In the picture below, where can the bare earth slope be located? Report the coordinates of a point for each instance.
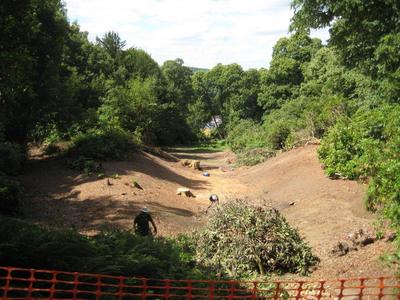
(324, 210)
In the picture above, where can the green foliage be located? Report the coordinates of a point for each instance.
(254, 156)
(34, 83)
(352, 147)
(241, 240)
(12, 157)
(356, 28)
(247, 135)
(87, 165)
(103, 144)
(110, 252)
(10, 192)
(281, 82)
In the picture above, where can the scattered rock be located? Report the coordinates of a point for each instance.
(340, 249)
(185, 163)
(355, 240)
(391, 237)
(195, 164)
(206, 174)
(109, 183)
(135, 184)
(292, 203)
(123, 194)
(185, 191)
(361, 238)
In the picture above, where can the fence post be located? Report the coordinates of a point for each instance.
(299, 290)
(75, 290)
(190, 287)
(211, 295)
(144, 288)
(7, 285)
(120, 287)
(98, 287)
(321, 290)
(277, 290)
(254, 291)
(167, 288)
(340, 296)
(53, 284)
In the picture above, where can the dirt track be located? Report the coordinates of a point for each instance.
(325, 211)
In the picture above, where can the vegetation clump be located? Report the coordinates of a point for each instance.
(115, 252)
(10, 192)
(103, 144)
(241, 240)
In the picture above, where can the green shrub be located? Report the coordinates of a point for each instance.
(12, 157)
(254, 156)
(277, 135)
(113, 252)
(86, 165)
(354, 146)
(241, 240)
(246, 135)
(10, 192)
(51, 149)
(368, 145)
(104, 144)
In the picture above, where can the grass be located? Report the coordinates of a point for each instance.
(212, 146)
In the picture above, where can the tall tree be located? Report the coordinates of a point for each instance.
(33, 81)
(281, 82)
(356, 27)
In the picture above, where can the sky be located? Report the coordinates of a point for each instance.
(201, 32)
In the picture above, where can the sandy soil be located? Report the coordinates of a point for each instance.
(325, 211)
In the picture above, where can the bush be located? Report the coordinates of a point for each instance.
(254, 156)
(12, 157)
(103, 144)
(354, 146)
(114, 252)
(368, 145)
(241, 240)
(10, 191)
(246, 135)
(87, 165)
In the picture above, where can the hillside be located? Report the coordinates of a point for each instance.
(324, 210)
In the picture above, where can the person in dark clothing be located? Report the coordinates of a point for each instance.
(213, 201)
(141, 223)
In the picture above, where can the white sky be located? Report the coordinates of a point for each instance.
(201, 32)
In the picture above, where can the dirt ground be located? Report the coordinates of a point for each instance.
(325, 211)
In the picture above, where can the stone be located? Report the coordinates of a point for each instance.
(340, 249)
(185, 191)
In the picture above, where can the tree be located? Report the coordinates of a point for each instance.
(178, 82)
(281, 82)
(112, 42)
(33, 81)
(356, 27)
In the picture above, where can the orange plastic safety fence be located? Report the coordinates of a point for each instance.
(18, 283)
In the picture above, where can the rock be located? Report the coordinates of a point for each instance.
(206, 174)
(185, 163)
(367, 240)
(195, 165)
(109, 182)
(391, 237)
(340, 249)
(292, 203)
(185, 191)
(136, 185)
